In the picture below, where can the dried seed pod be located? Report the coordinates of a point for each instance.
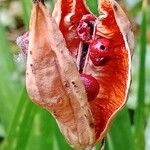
(56, 55)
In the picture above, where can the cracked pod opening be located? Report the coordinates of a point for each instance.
(103, 51)
(78, 66)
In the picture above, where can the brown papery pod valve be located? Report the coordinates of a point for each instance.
(53, 81)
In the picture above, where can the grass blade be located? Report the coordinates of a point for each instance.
(21, 126)
(26, 9)
(9, 81)
(42, 135)
(136, 8)
(120, 135)
(93, 6)
(47, 131)
(61, 142)
(140, 114)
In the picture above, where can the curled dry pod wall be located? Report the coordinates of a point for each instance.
(64, 66)
(53, 81)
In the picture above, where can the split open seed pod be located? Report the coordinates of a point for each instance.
(72, 53)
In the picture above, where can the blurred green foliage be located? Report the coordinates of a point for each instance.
(25, 126)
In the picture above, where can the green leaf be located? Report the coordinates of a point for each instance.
(21, 126)
(61, 142)
(140, 118)
(92, 4)
(136, 8)
(2, 132)
(9, 80)
(120, 136)
(26, 10)
(42, 134)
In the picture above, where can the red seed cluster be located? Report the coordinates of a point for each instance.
(98, 51)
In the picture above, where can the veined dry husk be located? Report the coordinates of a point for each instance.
(53, 80)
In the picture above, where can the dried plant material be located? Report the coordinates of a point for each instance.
(53, 81)
(78, 66)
